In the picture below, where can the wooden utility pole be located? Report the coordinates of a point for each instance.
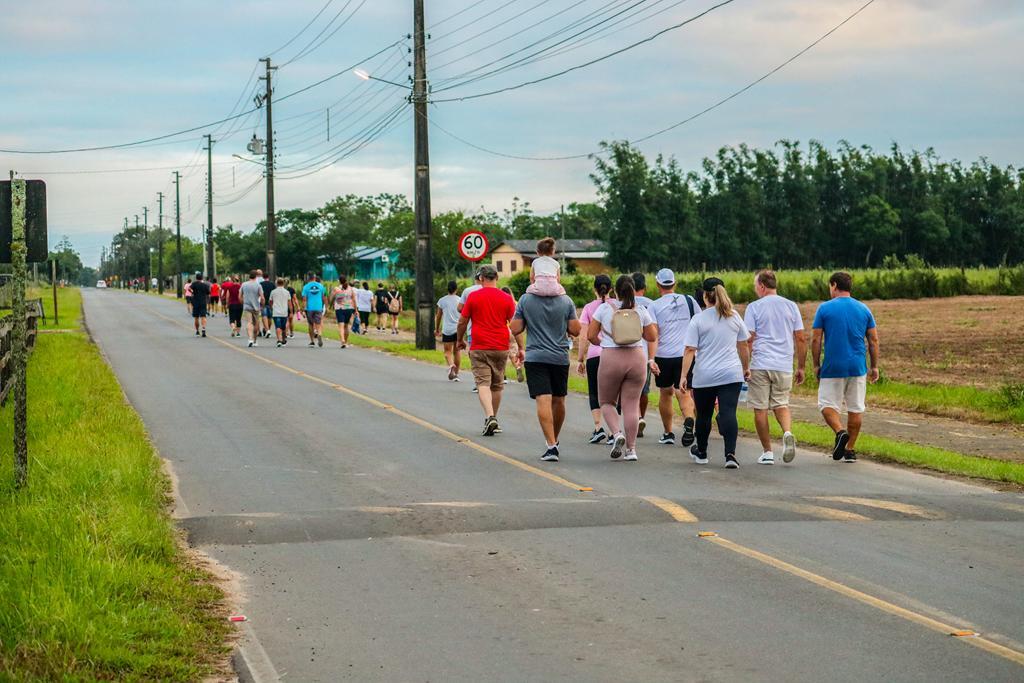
(19, 350)
(149, 252)
(177, 228)
(209, 208)
(271, 225)
(160, 242)
(424, 255)
(53, 283)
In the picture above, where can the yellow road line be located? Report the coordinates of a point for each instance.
(895, 506)
(872, 601)
(819, 511)
(400, 413)
(677, 511)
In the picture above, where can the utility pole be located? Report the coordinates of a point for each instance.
(177, 228)
(271, 226)
(160, 243)
(209, 207)
(135, 266)
(149, 254)
(424, 255)
(19, 336)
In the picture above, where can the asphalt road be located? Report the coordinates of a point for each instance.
(381, 538)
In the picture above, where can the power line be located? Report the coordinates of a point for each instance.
(310, 48)
(666, 129)
(456, 14)
(303, 30)
(602, 58)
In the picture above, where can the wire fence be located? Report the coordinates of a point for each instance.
(34, 312)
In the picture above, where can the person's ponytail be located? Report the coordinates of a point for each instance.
(723, 304)
(625, 292)
(602, 290)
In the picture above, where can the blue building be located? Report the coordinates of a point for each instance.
(371, 264)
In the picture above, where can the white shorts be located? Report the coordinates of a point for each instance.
(835, 392)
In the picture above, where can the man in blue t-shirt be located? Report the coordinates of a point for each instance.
(844, 323)
(313, 295)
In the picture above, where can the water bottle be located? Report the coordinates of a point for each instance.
(743, 392)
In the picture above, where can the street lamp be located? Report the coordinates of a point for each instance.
(152, 250)
(367, 77)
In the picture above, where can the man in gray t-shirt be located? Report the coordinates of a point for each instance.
(252, 303)
(548, 321)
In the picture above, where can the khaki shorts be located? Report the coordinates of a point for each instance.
(769, 389)
(835, 392)
(489, 368)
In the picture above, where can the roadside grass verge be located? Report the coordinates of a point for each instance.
(878, 448)
(93, 585)
(69, 307)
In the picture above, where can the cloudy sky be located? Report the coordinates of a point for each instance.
(924, 73)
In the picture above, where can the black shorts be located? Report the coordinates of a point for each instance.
(235, 314)
(213, 299)
(449, 338)
(547, 379)
(364, 317)
(188, 299)
(382, 310)
(671, 372)
(343, 315)
(198, 310)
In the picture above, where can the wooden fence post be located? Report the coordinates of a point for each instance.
(19, 351)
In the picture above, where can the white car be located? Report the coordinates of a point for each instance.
(101, 284)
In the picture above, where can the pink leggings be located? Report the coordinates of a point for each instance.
(620, 377)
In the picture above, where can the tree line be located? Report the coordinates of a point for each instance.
(745, 208)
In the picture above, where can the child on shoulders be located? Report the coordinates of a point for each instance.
(545, 271)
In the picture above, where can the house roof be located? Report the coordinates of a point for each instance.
(367, 253)
(529, 247)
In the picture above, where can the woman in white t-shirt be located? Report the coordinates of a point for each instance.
(622, 372)
(717, 337)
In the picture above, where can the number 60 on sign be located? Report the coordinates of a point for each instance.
(473, 246)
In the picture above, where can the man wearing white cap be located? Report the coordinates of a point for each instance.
(672, 312)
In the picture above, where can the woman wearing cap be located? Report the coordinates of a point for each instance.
(623, 368)
(717, 337)
(590, 354)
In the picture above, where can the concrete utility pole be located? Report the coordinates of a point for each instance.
(160, 242)
(19, 350)
(271, 226)
(209, 207)
(177, 229)
(149, 254)
(424, 255)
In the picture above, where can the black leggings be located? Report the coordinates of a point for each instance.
(728, 396)
(592, 365)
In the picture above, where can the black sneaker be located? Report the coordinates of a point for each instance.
(640, 428)
(203, 334)
(842, 438)
(490, 426)
(197, 333)
(550, 455)
(730, 462)
(849, 456)
(278, 344)
(598, 436)
(688, 435)
(311, 344)
(319, 340)
(698, 457)
(668, 438)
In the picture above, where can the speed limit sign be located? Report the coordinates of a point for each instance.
(473, 246)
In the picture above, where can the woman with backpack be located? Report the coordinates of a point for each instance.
(394, 307)
(589, 358)
(621, 328)
(717, 338)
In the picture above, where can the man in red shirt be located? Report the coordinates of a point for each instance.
(490, 310)
(231, 297)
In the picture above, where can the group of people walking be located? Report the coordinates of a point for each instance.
(703, 356)
(270, 307)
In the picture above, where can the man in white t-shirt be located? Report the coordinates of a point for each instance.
(446, 326)
(364, 303)
(776, 327)
(672, 312)
(640, 287)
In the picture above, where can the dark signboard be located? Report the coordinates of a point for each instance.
(35, 221)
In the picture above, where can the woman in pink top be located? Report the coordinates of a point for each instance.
(590, 355)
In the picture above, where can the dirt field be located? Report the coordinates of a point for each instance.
(967, 340)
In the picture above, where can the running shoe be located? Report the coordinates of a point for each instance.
(842, 438)
(668, 438)
(291, 335)
(343, 345)
(255, 344)
(252, 343)
(456, 379)
(550, 455)
(849, 456)
(498, 430)
(610, 440)
(618, 446)
(197, 333)
(767, 458)
(475, 390)
(698, 457)
(688, 435)
(788, 447)
(507, 381)
(203, 334)
(319, 340)
(278, 344)
(640, 428)
(598, 436)
(452, 372)
(311, 344)
(520, 375)
(490, 426)
(630, 455)
(730, 462)
(284, 342)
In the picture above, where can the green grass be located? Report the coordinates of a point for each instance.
(92, 583)
(879, 448)
(69, 307)
(889, 450)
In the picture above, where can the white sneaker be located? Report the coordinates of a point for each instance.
(618, 446)
(630, 455)
(767, 458)
(788, 447)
